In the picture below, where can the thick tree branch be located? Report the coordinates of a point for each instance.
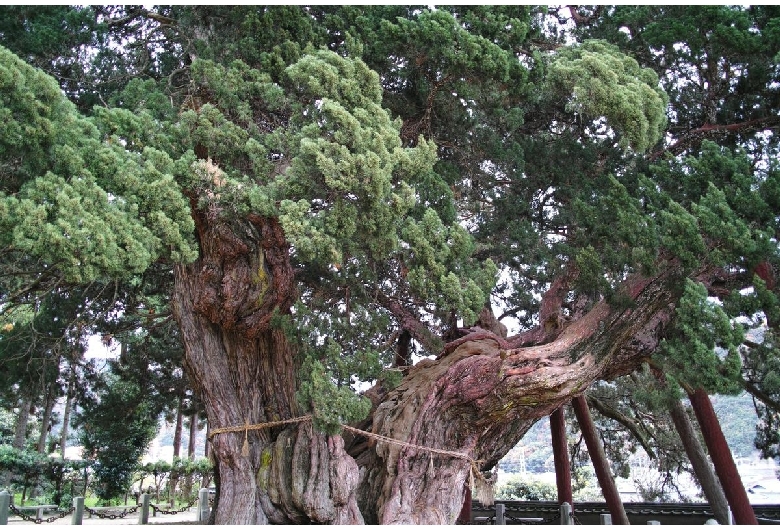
(411, 323)
(629, 423)
(551, 319)
(760, 395)
(709, 130)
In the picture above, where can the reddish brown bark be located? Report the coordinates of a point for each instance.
(477, 399)
(710, 484)
(191, 441)
(244, 370)
(561, 456)
(551, 319)
(599, 460)
(464, 517)
(721, 458)
(178, 429)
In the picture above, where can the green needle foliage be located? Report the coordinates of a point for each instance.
(421, 161)
(598, 80)
(74, 199)
(691, 353)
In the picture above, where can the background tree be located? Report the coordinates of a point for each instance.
(115, 431)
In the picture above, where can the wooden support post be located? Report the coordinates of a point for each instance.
(5, 507)
(599, 460)
(721, 458)
(605, 518)
(708, 480)
(566, 517)
(500, 513)
(203, 506)
(78, 511)
(143, 513)
(561, 456)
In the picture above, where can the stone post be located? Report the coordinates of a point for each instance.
(500, 513)
(78, 511)
(203, 506)
(143, 513)
(566, 517)
(5, 507)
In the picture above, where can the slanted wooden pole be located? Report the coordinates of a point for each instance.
(721, 458)
(599, 460)
(561, 456)
(709, 482)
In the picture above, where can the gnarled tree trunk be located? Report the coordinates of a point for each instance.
(448, 416)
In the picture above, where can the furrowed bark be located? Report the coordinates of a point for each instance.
(480, 399)
(474, 402)
(244, 370)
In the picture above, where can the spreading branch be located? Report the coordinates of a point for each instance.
(707, 131)
(630, 424)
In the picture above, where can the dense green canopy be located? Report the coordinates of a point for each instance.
(363, 176)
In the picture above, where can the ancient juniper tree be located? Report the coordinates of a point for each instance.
(335, 189)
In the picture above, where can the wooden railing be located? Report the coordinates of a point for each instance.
(549, 512)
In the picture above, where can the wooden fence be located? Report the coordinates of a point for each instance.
(596, 513)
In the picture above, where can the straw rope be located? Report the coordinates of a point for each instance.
(378, 437)
(257, 426)
(482, 484)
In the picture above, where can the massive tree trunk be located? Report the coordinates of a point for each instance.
(244, 370)
(449, 419)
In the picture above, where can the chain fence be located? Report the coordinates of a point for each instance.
(38, 520)
(163, 511)
(108, 514)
